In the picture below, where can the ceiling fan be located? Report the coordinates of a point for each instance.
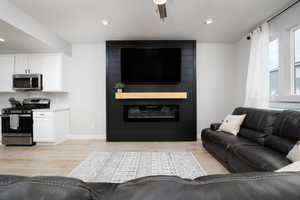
(162, 8)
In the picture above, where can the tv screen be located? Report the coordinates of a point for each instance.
(151, 65)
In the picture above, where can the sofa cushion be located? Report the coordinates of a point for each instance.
(253, 135)
(258, 186)
(279, 144)
(288, 125)
(258, 157)
(293, 167)
(34, 188)
(294, 154)
(258, 119)
(236, 165)
(232, 124)
(215, 126)
(221, 141)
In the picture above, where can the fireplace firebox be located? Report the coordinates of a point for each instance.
(151, 113)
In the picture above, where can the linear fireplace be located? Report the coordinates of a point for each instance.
(151, 113)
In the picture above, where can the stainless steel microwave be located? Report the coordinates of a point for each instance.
(28, 82)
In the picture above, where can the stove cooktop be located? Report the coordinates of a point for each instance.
(19, 110)
(28, 105)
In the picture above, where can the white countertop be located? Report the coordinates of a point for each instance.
(54, 109)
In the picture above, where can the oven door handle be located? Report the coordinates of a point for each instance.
(23, 115)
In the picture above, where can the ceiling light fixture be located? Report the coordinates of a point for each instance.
(104, 22)
(209, 21)
(160, 2)
(161, 8)
(2, 40)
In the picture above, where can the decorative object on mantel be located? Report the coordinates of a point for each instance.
(151, 95)
(119, 87)
(118, 167)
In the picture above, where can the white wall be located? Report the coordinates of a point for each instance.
(242, 55)
(216, 82)
(216, 72)
(86, 78)
(217, 88)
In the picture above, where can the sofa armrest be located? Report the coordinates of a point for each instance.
(215, 126)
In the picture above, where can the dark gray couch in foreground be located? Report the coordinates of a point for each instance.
(253, 186)
(265, 138)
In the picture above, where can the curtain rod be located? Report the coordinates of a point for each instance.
(283, 11)
(277, 15)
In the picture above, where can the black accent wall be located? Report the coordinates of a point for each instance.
(119, 129)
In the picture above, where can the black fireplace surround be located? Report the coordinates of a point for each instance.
(151, 119)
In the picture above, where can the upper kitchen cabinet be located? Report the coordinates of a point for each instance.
(29, 63)
(54, 76)
(21, 64)
(51, 66)
(7, 70)
(35, 63)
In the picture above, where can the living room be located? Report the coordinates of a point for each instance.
(152, 99)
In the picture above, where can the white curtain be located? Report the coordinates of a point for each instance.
(257, 89)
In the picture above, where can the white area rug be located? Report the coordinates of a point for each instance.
(117, 167)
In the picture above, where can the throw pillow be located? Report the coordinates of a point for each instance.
(294, 154)
(232, 124)
(294, 167)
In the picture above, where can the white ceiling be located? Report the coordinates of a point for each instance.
(79, 21)
(16, 41)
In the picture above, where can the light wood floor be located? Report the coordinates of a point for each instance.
(59, 160)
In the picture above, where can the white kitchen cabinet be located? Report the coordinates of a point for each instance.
(43, 129)
(21, 64)
(7, 70)
(51, 66)
(53, 73)
(36, 63)
(29, 64)
(50, 125)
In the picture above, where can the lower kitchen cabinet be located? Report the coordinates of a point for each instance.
(50, 125)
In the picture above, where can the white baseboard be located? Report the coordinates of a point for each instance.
(86, 137)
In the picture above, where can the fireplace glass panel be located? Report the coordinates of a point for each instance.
(150, 113)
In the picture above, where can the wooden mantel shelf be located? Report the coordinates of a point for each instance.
(151, 95)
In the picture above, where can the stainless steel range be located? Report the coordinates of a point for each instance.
(17, 121)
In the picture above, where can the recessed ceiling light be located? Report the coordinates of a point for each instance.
(209, 21)
(104, 22)
(160, 2)
(2, 40)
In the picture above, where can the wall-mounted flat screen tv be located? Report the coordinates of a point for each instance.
(151, 65)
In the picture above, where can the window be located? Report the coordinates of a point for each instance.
(296, 59)
(274, 66)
